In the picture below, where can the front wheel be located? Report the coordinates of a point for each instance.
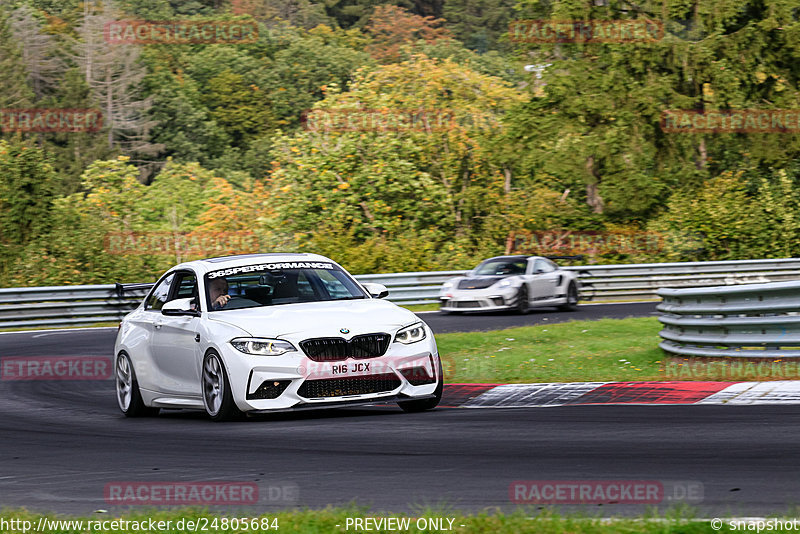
(572, 298)
(522, 299)
(129, 397)
(217, 395)
(426, 404)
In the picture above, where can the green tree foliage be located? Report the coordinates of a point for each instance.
(595, 126)
(437, 179)
(479, 24)
(27, 191)
(300, 13)
(726, 221)
(14, 91)
(574, 142)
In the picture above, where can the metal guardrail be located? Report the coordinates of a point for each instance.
(65, 305)
(642, 281)
(750, 321)
(91, 304)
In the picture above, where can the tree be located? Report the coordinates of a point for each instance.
(479, 24)
(304, 66)
(114, 76)
(38, 49)
(27, 190)
(240, 108)
(392, 27)
(597, 125)
(184, 125)
(14, 91)
(300, 13)
(436, 179)
(73, 152)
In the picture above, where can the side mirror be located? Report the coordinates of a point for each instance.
(180, 307)
(377, 291)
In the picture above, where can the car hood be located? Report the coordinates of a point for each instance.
(318, 319)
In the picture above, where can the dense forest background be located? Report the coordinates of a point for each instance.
(208, 140)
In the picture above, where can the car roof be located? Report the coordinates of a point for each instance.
(240, 260)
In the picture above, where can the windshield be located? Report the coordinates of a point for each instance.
(501, 267)
(280, 283)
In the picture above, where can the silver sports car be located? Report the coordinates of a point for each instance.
(511, 283)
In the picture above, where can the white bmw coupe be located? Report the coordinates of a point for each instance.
(271, 332)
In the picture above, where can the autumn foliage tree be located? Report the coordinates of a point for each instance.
(392, 27)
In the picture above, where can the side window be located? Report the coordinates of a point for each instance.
(335, 288)
(186, 284)
(304, 289)
(543, 266)
(160, 294)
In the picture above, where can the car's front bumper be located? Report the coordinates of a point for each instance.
(489, 299)
(343, 404)
(294, 381)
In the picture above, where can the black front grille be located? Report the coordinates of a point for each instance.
(334, 349)
(477, 283)
(466, 304)
(269, 389)
(354, 385)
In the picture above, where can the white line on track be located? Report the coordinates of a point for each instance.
(579, 306)
(59, 330)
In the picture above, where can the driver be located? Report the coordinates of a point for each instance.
(218, 291)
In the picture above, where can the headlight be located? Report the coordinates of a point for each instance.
(262, 347)
(411, 334)
(447, 285)
(505, 282)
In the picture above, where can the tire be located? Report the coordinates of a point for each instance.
(572, 298)
(422, 405)
(217, 395)
(129, 398)
(522, 300)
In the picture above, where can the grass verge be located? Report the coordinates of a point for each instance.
(607, 350)
(335, 520)
(577, 351)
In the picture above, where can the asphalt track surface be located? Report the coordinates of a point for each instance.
(64, 441)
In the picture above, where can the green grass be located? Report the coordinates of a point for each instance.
(332, 520)
(420, 307)
(577, 351)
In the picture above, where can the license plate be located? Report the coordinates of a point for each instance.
(350, 368)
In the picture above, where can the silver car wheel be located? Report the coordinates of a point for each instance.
(124, 378)
(213, 384)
